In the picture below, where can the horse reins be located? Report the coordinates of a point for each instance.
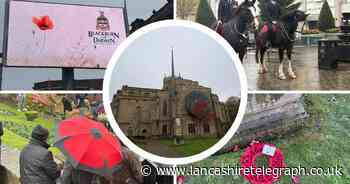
(286, 32)
(236, 30)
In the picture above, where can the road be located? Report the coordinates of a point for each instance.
(305, 64)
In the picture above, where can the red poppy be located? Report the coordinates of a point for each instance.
(44, 23)
(180, 179)
(296, 179)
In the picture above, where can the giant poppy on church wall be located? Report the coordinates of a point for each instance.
(198, 105)
(44, 23)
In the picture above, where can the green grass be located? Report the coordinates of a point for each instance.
(17, 133)
(191, 146)
(327, 146)
(13, 140)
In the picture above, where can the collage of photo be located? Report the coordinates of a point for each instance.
(175, 92)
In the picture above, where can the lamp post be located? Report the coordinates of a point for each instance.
(178, 132)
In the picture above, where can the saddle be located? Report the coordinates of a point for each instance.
(220, 28)
(265, 28)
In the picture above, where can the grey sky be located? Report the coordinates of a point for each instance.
(197, 57)
(24, 78)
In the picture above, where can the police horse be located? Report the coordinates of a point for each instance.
(235, 29)
(283, 39)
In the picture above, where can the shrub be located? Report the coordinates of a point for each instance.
(205, 14)
(326, 20)
(332, 30)
(31, 115)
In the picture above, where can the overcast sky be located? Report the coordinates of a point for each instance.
(24, 78)
(197, 57)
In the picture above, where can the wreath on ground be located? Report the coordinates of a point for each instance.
(275, 161)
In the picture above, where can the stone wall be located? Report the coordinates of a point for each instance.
(268, 117)
(150, 112)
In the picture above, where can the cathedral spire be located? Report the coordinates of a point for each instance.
(172, 63)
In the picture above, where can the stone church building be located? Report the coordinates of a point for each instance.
(182, 107)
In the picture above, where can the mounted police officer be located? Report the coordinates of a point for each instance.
(273, 14)
(226, 10)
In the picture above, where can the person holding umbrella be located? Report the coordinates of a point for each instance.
(93, 153)
(36, 162)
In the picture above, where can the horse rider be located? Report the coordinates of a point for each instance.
(273, 13)
(226, 10)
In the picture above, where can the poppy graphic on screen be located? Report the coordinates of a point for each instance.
(44, 23)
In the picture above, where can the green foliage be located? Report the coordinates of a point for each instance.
(18, 129)
(286, 7)
(13, 140)
(205, 14)
(326, 20)
(31, 115)
(16, 141)
(333, 30)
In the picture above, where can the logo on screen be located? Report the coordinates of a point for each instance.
(102, 22)
(103, 35)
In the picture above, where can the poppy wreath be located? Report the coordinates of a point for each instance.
(248, 161)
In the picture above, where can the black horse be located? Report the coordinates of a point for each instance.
(234, 31)
(283, 39)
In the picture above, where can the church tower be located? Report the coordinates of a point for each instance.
(172, 96)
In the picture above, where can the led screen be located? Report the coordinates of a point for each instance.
(60, 35)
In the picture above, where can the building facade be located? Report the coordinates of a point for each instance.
(313, 7)
(181, 107)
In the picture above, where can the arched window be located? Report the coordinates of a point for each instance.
(165, 108)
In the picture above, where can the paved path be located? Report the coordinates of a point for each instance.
(10, 159)
(305, 64)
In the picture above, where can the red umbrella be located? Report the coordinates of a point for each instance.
(89, 146)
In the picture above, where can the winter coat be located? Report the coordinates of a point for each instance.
(37, 165)
(274, 11)
(71, 175)
(226, 10)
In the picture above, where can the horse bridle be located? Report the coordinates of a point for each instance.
(286, 32)
(239, 33)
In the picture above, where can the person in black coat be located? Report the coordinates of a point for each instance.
(36, 162)
(274, 11)
(1, 134)
(273, 14)
(226, 10)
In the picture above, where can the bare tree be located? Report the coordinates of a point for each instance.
(185, 8)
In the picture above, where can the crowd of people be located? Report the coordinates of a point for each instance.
(83, 105)
(37, 165)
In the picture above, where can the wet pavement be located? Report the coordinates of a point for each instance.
(305, 65)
